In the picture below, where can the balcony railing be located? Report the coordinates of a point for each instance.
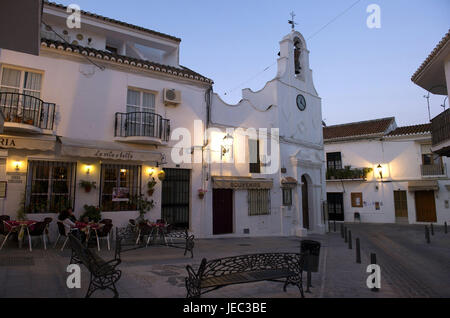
(348, 173)
(25, 109)
(433, 170)
(142, 124)
(440, 127)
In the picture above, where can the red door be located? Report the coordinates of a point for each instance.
(222, 211)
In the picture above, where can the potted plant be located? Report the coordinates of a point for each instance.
(201, 193)
(144, 206)
(151, 187)
(87, 185)
(92, 212)
(161, 175)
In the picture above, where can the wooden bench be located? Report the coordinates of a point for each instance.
(128, 239)
(286, 268)
(104, 274)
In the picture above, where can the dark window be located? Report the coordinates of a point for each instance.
(334, 160)
(287, 197)
(258, 202)
(50, 186)
(120, 186)
(255, 161)
(335, 206)
(111, 49)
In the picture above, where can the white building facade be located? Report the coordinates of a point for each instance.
(381, 173)
(105, 109)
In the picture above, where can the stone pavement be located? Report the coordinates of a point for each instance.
(159, 271)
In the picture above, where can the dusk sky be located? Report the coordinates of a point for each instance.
(359, 73)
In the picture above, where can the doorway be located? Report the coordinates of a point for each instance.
(222, 211)
(175, 197)
(425, 206)
(305, 203)
(335, 206)
(401, 207)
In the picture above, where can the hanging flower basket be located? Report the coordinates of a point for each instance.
(201, 193)
(161, 175)
(87, 185)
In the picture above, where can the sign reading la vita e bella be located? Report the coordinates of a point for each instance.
(109, 154)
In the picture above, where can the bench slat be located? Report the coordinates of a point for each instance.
(248, 277)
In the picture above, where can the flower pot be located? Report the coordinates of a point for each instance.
(150, 192)
(201, 195)
(87, 188)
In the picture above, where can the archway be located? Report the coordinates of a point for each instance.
(305, 202)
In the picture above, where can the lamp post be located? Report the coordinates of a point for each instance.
(226, 144)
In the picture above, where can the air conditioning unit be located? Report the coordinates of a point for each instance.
(172, 97)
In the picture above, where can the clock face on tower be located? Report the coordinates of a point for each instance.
(301, 102)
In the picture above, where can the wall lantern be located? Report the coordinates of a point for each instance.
(380, 170)
(88, 169)
(18, 165)
(227, 144)
(150, 171)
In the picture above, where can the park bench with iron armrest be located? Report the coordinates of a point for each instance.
(104, 275)
(279, 267)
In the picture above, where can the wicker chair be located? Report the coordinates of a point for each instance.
(62, 232)
(105, 233)
(39, 231)
(3, 229)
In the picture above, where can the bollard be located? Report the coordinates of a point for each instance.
(329, 227)
(358, 251)
(345, 235)
(373, 260)
(432, 229)
(427, 235)
(445, 228)
(350, 240)
(334, 225)
(342, 230)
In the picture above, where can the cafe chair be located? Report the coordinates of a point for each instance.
(38, 230)
(105, 233)
(5, 229)
(62, 233)
(48, 221)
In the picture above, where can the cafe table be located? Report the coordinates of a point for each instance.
(20, 227)
(87, 228)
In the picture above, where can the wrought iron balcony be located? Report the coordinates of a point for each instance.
(26, 112)
(142, 127)
(348, 173)
(433, 170)
(440, 130)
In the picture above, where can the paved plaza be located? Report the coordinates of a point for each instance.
(409, 267)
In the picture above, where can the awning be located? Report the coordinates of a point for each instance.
(423, 185)
(107, 150)
(241, 183)
(289, 182)
(43, 143)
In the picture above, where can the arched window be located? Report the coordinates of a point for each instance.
(297, 55)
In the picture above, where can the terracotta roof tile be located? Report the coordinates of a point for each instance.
(358, 129)
(411, 130)
(135, 27)
(433, 53)
(182, 72)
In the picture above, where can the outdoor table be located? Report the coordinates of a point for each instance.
(20, 227)
(87, 228)
(158, 229)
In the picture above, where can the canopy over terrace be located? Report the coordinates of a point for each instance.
(104, 150)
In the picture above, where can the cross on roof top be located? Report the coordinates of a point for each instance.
(292, 21)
